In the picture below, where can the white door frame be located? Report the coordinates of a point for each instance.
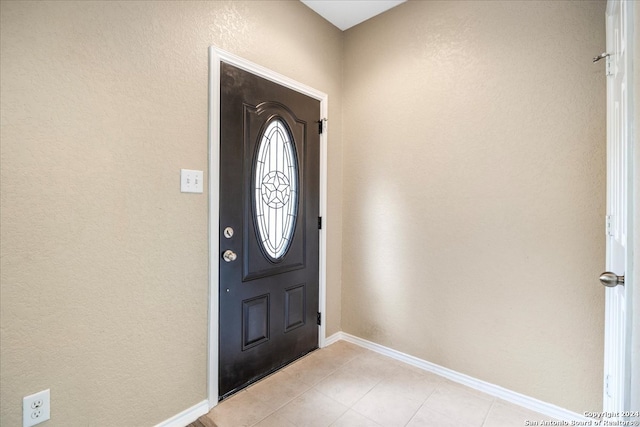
(215, 57)
(621, 400)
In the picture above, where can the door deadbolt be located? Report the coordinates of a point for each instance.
(228, 232)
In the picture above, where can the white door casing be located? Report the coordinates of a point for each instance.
(619, 208)
(215, 57)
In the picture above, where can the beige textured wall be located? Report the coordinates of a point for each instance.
(474, 191)
(103, 261)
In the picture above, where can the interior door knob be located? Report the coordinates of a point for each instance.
(610, 279)
(229, 256)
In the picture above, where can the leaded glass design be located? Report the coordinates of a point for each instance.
(276, 189)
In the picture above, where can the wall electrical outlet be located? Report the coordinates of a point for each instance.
(36, 408)
(191, 181)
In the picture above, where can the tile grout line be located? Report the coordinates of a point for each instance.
(350, 408)
(422, 404)
(311, 387)
(484, 421)
(493, 399)
(283, 369)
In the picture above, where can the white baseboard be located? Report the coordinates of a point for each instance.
(494, 390)
(333, 338)
(187, 416)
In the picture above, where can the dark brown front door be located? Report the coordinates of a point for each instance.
(269, 204)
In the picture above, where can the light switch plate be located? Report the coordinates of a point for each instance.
(191, 181)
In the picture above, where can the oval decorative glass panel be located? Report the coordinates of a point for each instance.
(275, 186)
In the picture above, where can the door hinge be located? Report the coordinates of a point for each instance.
(319, 223)
(607, 383)
(608, 225)
(321, 125)
(319, 318)
(607, 62)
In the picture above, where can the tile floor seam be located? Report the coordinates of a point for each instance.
(347, 410)
(484, 422)
(321, 392)
(281, 406)
(328, 397)
(284, 416)
(363, 396)
(427, 398)
(486, 416)
(354, 409)
(414, 415)
(438, 411)
(261, 420)
(373, 421)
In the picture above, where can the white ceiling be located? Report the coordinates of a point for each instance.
(345, 14)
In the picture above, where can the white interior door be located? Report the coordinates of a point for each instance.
(616, 369)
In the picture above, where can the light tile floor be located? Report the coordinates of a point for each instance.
(344, 385)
